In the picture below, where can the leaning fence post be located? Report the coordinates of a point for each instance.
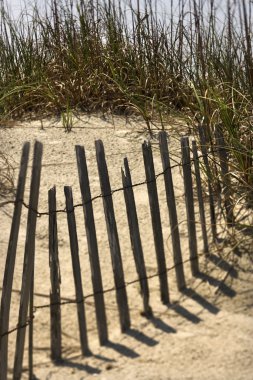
(10, 264)
(30, 335)
(92, 245)
(208, 172)
(220, 143)
(177, 254)
(156, 221)
(121, 294)
(200, 195)
(76, 269)
(55, 277)
(135, 237)
(28, 267)
(189, 202)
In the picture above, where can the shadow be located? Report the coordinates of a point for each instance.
(159, 324)
(6, 212)
(46, 348)
(225, 289)
(185, 313)
(243, 249)
(81, 367)
(42, 295)
(222, 264)
(123, 350)
(103, 358)
(201, 300)
(138, 335)
(237, 251)
(221, 240)
(248, 231)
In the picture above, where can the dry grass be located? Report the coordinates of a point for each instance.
(6, 176)
(121, 57)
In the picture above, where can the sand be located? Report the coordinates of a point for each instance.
(205, 333)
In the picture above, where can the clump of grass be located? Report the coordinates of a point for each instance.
(67, 119)
(109, 55)
(6, 176)
(96, 54)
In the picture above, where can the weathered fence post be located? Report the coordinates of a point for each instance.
(220, 143)
(156, 221)
(10, 264)
(76, 270)
(121, 294)
(55, 277)
(30, 335)
(200, 196)
(92, 245)
(28, 267)
(208, 172)
(177, 254)
(189, 202)
(135, 237)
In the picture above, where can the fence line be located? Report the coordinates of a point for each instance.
(156, 220)
(91, 295)
(113, 191)
(27, 308)
(189, 202)
(10, 263)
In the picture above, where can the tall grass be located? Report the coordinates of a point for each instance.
(109, 55)
(6, 176)
(99, 54)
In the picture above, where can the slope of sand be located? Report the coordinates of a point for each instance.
(203, 334)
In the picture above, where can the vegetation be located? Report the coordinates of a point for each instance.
(6, 176)
(124, 57)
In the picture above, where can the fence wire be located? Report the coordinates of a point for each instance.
(91, 295)
(92, 199)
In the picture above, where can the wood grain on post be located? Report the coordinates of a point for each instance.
(121, 294)
(135, 237)
(55, 277)
(10, 263)
(171, 203)
(220, 143)
(28, 266)
(74, 248)
(189, 202)
(92, 245)
(156, 221)
(208, 172)
(30, 335)
(200, 196)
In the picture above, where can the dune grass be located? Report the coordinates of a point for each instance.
(124, 57)
(6, 176)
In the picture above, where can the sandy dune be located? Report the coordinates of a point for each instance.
(205, 333)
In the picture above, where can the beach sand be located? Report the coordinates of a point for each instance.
(205, 333)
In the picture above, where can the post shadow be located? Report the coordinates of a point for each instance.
(223, 264)
(185, 313)
(159, 324)
(225, 289)
(141, 337)
(104, 358)
(122, 349)
(201, 300)
(237, 251)
(81, 367)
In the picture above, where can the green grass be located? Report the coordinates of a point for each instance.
(103, 55)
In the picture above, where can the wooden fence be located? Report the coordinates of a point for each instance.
(26, 313)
